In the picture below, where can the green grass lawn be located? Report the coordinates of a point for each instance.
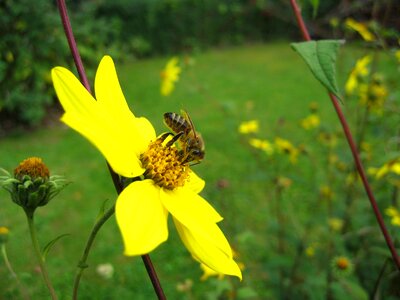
(222, 88)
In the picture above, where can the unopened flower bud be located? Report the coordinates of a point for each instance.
(31, 186)
(3, 234)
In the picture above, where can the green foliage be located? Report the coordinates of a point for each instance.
(32, 42)
(320, 57)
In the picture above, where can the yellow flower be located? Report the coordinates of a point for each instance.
(247, 127)
(359, 71)
(284, 146)
(373, 96)
(392, 166)
(310, 122)
(4, 231)
(169, 76)
(263, 145)
(392, 212)
(310, 251)
(397, 55)
(162, 184)
(335, 224)
(361, 28)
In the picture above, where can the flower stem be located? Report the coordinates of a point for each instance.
(353, 148)
(38, 253)
(82, 265)
(23, 290)
(115, 178)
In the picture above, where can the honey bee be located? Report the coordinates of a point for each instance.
(190, 141)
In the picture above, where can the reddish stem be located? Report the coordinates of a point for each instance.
(82, 75)
(353, 148)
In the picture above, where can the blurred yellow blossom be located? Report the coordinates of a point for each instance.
(361, 28)
(4, 231)
(360, 70)
(263, 145)
(328, 139)
(169, 76)
(335, 224)
(373, 96)
(394, 213)
(392, 166)
(310, 251)
(247, 127)
(284, 146)
(310, 122)
(397, 55)
(326, 192)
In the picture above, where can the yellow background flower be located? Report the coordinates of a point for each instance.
(169, 76)
(361, 28)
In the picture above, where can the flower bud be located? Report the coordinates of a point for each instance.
(31, 186)
(3, 234)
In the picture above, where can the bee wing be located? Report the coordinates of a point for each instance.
(189, 120)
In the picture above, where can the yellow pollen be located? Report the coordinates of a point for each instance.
(33, 167)
(163, 165)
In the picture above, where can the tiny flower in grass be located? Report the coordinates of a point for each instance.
(335, 224)
(163, 185)
(392, 166)
(263, 145)
(185, 286)
(326, 192)
(310, 122)
(31, 186)
(106, 270)
(169, 76)
(310, 251)
(361, 28)
(394, 214)
(247, 127)
(357, 75)
(284, 146)
(342, 266)
(397, 55)
(4, 234)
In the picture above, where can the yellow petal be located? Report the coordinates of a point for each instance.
(108, 89)
(120, 142)
(141, 217)
(195, 183)
(208, 245)
(188, 207)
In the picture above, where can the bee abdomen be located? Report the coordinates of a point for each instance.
(176, 122)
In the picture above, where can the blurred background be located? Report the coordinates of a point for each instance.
(277, 167)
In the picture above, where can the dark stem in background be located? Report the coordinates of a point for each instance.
(353, 148)
(81, 71)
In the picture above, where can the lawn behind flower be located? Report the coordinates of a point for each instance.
(220, 89)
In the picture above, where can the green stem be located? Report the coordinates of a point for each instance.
(83, 261)
(23, 290)
(38, 253)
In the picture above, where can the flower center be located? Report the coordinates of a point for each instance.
(163, 165)
(33, 167)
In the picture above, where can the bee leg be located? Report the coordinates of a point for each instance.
(174, 139)
(164, 136)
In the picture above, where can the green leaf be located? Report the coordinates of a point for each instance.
(47, 248)
(320, 57)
